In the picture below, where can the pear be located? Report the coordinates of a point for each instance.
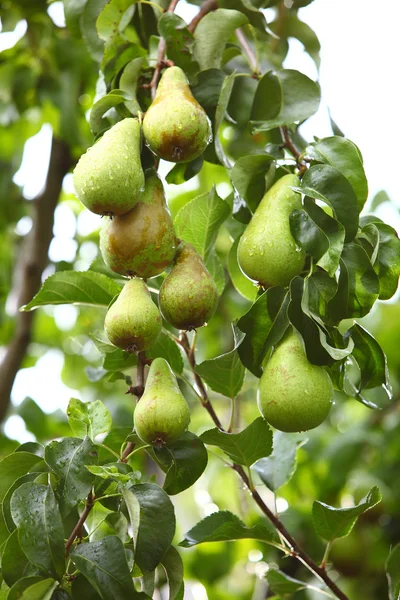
(294, 395)
(142, 242)
(267, 251)
(188, 295)
(109, 178)
(133, 322)
(176, 127)
(162, 414)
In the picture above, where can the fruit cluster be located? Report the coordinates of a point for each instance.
(138, 242)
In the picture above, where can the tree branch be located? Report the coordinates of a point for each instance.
(248, 50)
(288, 143)
(295, 548)
(28, 272)
(205, 8)
(137, 390)
(77, 530)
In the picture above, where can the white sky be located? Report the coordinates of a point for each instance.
(359, 77)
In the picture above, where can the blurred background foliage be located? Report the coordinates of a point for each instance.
(48, 79)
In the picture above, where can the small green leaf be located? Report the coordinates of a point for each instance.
(104, 564)
(344, 155)
(264, 325)
(14, 564)
(292, 97)
(255, 17)
(14, 466)
(224, 374)
(278, 468)
(216, 270)
(183, 461)
(41, 590)
(68, 459)
(88, 418)
(224, 526)
(6, 507)
(318, 290)
(281, 583)
(173, 566)
(248, 176)
(245, 447)
(393, 573)
(128, 83)
(292, 27)
(40, 529)
(198, 222)
(387, 261)
(182, 172)
(370, 358)
(212, 34)
(331, 523)
(75, 287)
(179, 42)
(114, 17)
(97, 123)
(166, 348)
(242, 284)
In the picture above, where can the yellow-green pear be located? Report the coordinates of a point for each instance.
(133, 322)
(176, 127)
(188, 296)
(162, 414)
(109, 178)
(267, 251)
(142, 242)
(294, 395)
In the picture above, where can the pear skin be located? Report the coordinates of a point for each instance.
(267, 251)
(133, 322)
(109, 178)
(162, 414)
(176, 127)
(294, 395)
(142, 242)
(188, 295)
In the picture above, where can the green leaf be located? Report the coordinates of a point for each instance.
(222, 105)
(292, 27)
(14, 564)
(242, 284)
(292, 97)
(179, 42)
(243, 448)
(370, 358)
(212, 34)
(327, 183)
(14, 466)
(248, 176)
(128, 83)
(318, 290)
(387, 261)
(114, 17)
(88, 418)
(358, 287)
(224, 374)
(173, 566)
(111, 100)
(88, 26)
(75, 287)
(166, 348)
(319, 235)
(40, 529)
(182, 172)
(40, 590)
(344, 155)
(393, 573)
(255, 17)
(183, 461)
(68, 459)
(280, 583)
(331, 523)
(6, 508)
(104, 564)
(223, 526)
(216, 271)
(278, 468)
(198, 222)
(156, 525)
(116, 472)
(264, 325)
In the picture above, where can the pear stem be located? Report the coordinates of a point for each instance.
(248, 50)
(137, 390)
(207, 7)
(294, 549)
(161, 62)
(288, 143)
(77, 531)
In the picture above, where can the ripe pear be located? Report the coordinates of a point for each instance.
(142, 242)
(109, 178)
(294, 395)
(162, 414)
(133, 322)
(188, 296)
(267, 251)
(176, 127)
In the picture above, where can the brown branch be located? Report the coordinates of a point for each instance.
(248, 50)
(77, 530)
(137, 390)
(295, 548)
(207, 7)
(288, 143)
(28, 272)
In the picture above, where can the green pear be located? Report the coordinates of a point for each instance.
(176, 127)
(162, 414)
(142, 242)
(109, 178)
(133, 322)
(294, 395)
(188, 296)
(267, 251)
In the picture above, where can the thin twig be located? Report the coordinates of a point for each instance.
(288, 143)
(248, 50)
(207, 7)
(137, 390)
(77, 530)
